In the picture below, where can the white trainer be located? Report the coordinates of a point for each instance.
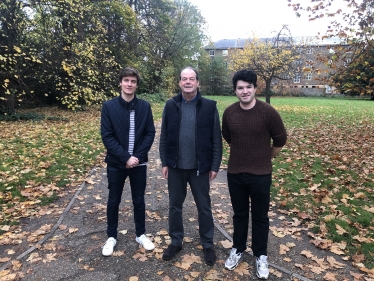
(234, 259)
(262, 267)
(145, 242)
(109, 246)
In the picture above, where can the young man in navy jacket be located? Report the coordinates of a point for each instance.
(127, 131)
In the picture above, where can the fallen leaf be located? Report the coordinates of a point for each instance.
(73, 230)
(340, 230)
(226, 244)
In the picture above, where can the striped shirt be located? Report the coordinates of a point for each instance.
(132, 135)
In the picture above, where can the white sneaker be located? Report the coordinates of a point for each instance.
(234, 259)
(262, 267)
(145, 242)
(109, 246)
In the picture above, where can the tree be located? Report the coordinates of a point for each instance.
(357, 78)
(270, 58)
(78, 65)
(170, 37)
(354, 26)
(16, 58)
(69, 52)
(214, 75)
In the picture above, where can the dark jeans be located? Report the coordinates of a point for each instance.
(177, 185)
(257, 187)
(116, 181)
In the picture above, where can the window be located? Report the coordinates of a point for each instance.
(309, 51)
(296, 79)
(298, 62)
(211, 78)
(225, 53)
(309, 76)
(347, 62)
(211, 53)
(328, 89)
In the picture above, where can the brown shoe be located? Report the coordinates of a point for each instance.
(170, 252)
(209, 255)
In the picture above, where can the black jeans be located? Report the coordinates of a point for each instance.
(200, 186)
(116, 181)
(257, 187)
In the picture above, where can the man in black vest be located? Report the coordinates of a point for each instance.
(190, 152)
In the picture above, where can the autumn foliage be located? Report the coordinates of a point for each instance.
(351, 22)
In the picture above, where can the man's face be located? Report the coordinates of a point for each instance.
(128, 85)
(245, 92)
(188, 82)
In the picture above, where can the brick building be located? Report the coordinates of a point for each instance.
(316, 62)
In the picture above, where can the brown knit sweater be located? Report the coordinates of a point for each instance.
(249, 134)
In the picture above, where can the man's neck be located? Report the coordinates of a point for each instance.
(189, 96)
(127, 98)
(248, 105)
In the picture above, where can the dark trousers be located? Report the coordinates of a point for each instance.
(257, 187)
(116, 181)
(177, 185)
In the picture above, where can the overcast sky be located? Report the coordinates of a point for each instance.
(240, 18)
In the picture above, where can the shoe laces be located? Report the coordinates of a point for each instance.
(262, 262)
(109, 241)
(144, 239)
(234, 255)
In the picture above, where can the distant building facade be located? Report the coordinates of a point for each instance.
(316, 63)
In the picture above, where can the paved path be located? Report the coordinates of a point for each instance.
(65, 243)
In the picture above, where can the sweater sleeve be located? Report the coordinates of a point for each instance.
(162, 144)
(217, 143)
(278, 131)
(225, 129)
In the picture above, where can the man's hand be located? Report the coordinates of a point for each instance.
(212, 175)
(132, 162)
(165, 172)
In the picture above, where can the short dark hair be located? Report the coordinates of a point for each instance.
(193, 69)
(129, 71)
(245, 75)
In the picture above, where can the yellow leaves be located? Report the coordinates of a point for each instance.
(17, 49)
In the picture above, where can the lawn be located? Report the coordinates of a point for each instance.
(323, 176)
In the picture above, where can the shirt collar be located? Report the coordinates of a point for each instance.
(193, 100)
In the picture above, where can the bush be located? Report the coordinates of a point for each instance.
(14, 116)
(154, 98)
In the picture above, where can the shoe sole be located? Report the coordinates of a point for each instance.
(141, 246)
(232, 268)
(264, 278)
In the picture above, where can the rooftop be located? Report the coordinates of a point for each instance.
(225, 44)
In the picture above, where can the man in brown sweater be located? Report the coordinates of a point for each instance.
(256, 134)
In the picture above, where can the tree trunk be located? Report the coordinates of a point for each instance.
(267, 90)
